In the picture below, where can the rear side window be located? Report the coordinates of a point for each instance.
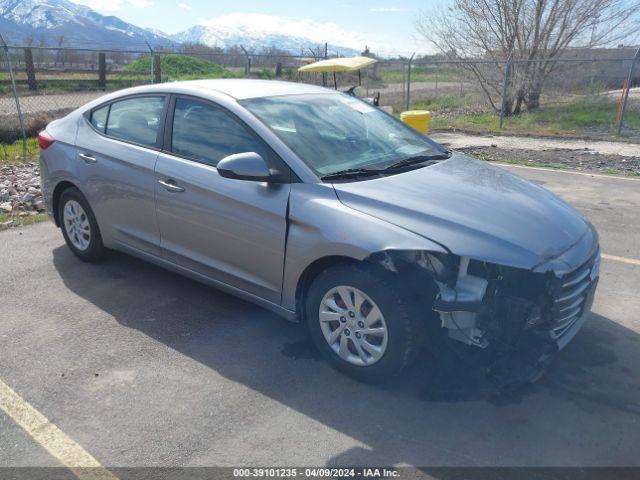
(208, 134)
(99, 118)
(136, 120)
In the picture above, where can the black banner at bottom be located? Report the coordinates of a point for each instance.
(400, 473)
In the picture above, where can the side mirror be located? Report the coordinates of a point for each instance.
(244, 166)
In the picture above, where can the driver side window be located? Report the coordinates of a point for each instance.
(208, 134)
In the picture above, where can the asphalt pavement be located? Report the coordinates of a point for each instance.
(142, 367)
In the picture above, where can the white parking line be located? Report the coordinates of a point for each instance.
(630, 261)
(51, 438)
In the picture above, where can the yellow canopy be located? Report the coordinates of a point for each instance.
(345, 64)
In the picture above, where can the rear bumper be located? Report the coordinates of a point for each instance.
(47, 190)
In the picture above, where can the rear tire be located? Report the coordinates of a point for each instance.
(79, 226)
(350, 333)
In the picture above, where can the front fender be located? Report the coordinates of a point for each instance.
(321, 226)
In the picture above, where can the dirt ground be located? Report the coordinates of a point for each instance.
(589, 156)
(560, 158)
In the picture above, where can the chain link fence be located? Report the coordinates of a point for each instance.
(596, 96)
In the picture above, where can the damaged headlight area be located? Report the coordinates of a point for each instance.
(486, 303)
(493, 304)
(483, 304)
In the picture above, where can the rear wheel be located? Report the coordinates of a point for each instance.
(362, 323)
(79, 226)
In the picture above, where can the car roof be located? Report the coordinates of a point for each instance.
(239, 89)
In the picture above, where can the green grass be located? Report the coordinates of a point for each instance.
(21, 221)
(442, 102)
(183, 67)
(14, 153)
(574, 118)
(419, 75)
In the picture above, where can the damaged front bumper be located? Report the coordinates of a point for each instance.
(492, 305)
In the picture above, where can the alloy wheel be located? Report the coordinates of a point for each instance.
(76, 224)
(353, 325)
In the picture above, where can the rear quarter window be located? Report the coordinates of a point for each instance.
(99, 118)
(136, 120)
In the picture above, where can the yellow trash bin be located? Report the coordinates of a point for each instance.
(418, 119)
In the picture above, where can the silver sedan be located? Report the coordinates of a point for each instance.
(325, 210)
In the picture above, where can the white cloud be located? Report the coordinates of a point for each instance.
(386, 9)
(184, 6)
(319, 32)
(113, 5)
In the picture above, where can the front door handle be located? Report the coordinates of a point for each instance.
(170, 186)
(87, 158)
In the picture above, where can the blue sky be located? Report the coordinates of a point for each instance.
(384, 25)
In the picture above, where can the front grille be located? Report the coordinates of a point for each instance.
(571, 294)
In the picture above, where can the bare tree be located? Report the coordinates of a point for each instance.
(533, 34)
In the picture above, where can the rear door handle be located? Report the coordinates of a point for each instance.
(87, 158)
(170, 186)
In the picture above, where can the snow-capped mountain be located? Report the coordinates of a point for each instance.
(252, 40)
(55, 22)
(60, 21)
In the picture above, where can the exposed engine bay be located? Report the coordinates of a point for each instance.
(483, 304)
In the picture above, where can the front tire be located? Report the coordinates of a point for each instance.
(362, 323)
(79, 226)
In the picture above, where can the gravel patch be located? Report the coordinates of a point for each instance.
(20, 194)
(458, 141)
(583, 160)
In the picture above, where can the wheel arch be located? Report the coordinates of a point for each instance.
(310, 273)
(416, 280)
(55, 199)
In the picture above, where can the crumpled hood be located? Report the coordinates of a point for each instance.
(474, 209)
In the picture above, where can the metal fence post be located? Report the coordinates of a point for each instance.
(157, 69)
(152, 61)
(409, 81)
(15, 96)
(505, 90)
(102, 71)
(626, 93)
(326, 55)
(404, 81)
(247, 65)
(30, 69)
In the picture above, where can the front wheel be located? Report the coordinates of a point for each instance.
(362, 323)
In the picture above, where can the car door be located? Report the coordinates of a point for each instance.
(227, 229)
(117, 146)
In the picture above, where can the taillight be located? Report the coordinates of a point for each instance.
(45, 140)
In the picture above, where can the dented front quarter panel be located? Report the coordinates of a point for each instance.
(321, 226)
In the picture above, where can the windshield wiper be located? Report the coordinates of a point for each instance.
(416, 159)
(358, 172)
(351, 172)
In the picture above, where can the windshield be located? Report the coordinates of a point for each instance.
(337, 132)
